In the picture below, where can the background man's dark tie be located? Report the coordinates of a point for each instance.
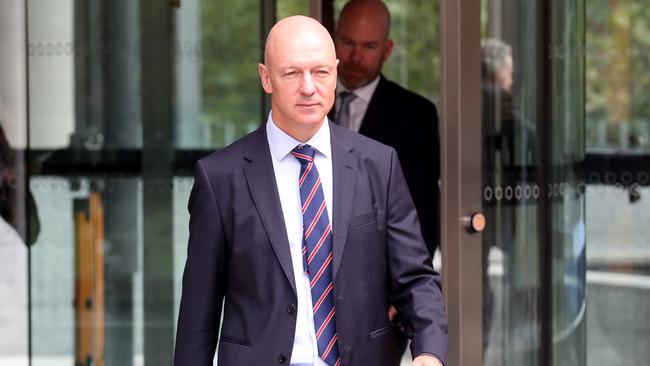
(343, 117)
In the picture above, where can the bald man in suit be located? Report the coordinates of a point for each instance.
(306, 232)
(369, 103)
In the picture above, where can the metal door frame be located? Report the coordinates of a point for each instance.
(460, 92)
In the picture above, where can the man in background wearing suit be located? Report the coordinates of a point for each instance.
(305, 232)
(376, 107)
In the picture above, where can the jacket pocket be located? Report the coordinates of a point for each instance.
(363, 219)
(381, 331)
(228, 339)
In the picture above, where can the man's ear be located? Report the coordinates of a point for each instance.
(265, 78)
(388, 50)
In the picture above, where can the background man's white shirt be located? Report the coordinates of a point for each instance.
(358, 105)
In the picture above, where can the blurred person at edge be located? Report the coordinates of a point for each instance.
(15, 200)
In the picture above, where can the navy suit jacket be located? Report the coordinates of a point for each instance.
(408, 122)
(238, 255)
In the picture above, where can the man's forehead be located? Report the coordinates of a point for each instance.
(304, 58)
(302, 49)
(297, 32)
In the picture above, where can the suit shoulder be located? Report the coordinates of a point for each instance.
(225, 158)
(364, 146)
(408, 97)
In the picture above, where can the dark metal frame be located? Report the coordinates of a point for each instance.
(461, 177)
(545, 215)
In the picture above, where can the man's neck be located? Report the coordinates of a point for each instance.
(302, 133)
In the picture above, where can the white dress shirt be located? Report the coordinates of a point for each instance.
(287, 170)
(358, 105)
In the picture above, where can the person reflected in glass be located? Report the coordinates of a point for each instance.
(508, 156)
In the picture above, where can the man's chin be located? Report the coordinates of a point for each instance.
(353, 82)
(311, 119)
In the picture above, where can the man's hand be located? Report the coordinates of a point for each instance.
(392, 312)
(426, 360)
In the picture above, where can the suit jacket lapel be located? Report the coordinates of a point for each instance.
(344, 171)
(375, 110)
(260, 177)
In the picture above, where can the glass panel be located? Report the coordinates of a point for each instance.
(618, 84)
(533, 129)
(285, 8)
(229, 92)
(565, 189)
(124, 97)
(18, 219)
(510, 67)
(533, 149)
(618, 177)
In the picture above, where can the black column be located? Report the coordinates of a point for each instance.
(157, 157)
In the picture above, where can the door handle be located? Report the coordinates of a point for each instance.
(474, 223)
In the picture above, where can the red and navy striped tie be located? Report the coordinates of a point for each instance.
(317, 254)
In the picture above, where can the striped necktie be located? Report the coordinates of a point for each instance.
(317, 254)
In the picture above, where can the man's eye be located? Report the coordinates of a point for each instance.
(322, 73)
(290, 74)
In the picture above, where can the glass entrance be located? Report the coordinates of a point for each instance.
(533, 196)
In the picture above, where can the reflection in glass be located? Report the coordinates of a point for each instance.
(511, 326)
(567, 202)
(534, 246)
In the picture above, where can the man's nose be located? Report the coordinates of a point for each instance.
(307, 84)
(357, 54)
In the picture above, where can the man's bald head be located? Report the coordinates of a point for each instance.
(362, 42)
(294, 30)
(299, 72)
(372, 12)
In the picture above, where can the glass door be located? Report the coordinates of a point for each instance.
(514, 152)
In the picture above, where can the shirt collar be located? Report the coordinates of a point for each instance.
(365, 92)
(281, 144)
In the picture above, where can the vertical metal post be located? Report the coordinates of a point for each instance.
(316, 9)
(157, 72)
(461, 177)
(545, 216)
(267, 19)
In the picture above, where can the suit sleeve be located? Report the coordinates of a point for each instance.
(415, 285)
(203, 278)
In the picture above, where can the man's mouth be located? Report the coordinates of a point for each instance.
(354, 70)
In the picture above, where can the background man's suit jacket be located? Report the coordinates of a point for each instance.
(408, 122)
(238, 250)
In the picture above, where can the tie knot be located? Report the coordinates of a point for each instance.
(346, 97)
(304, 153)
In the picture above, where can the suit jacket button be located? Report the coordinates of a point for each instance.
(282, 358)
(291, 308)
